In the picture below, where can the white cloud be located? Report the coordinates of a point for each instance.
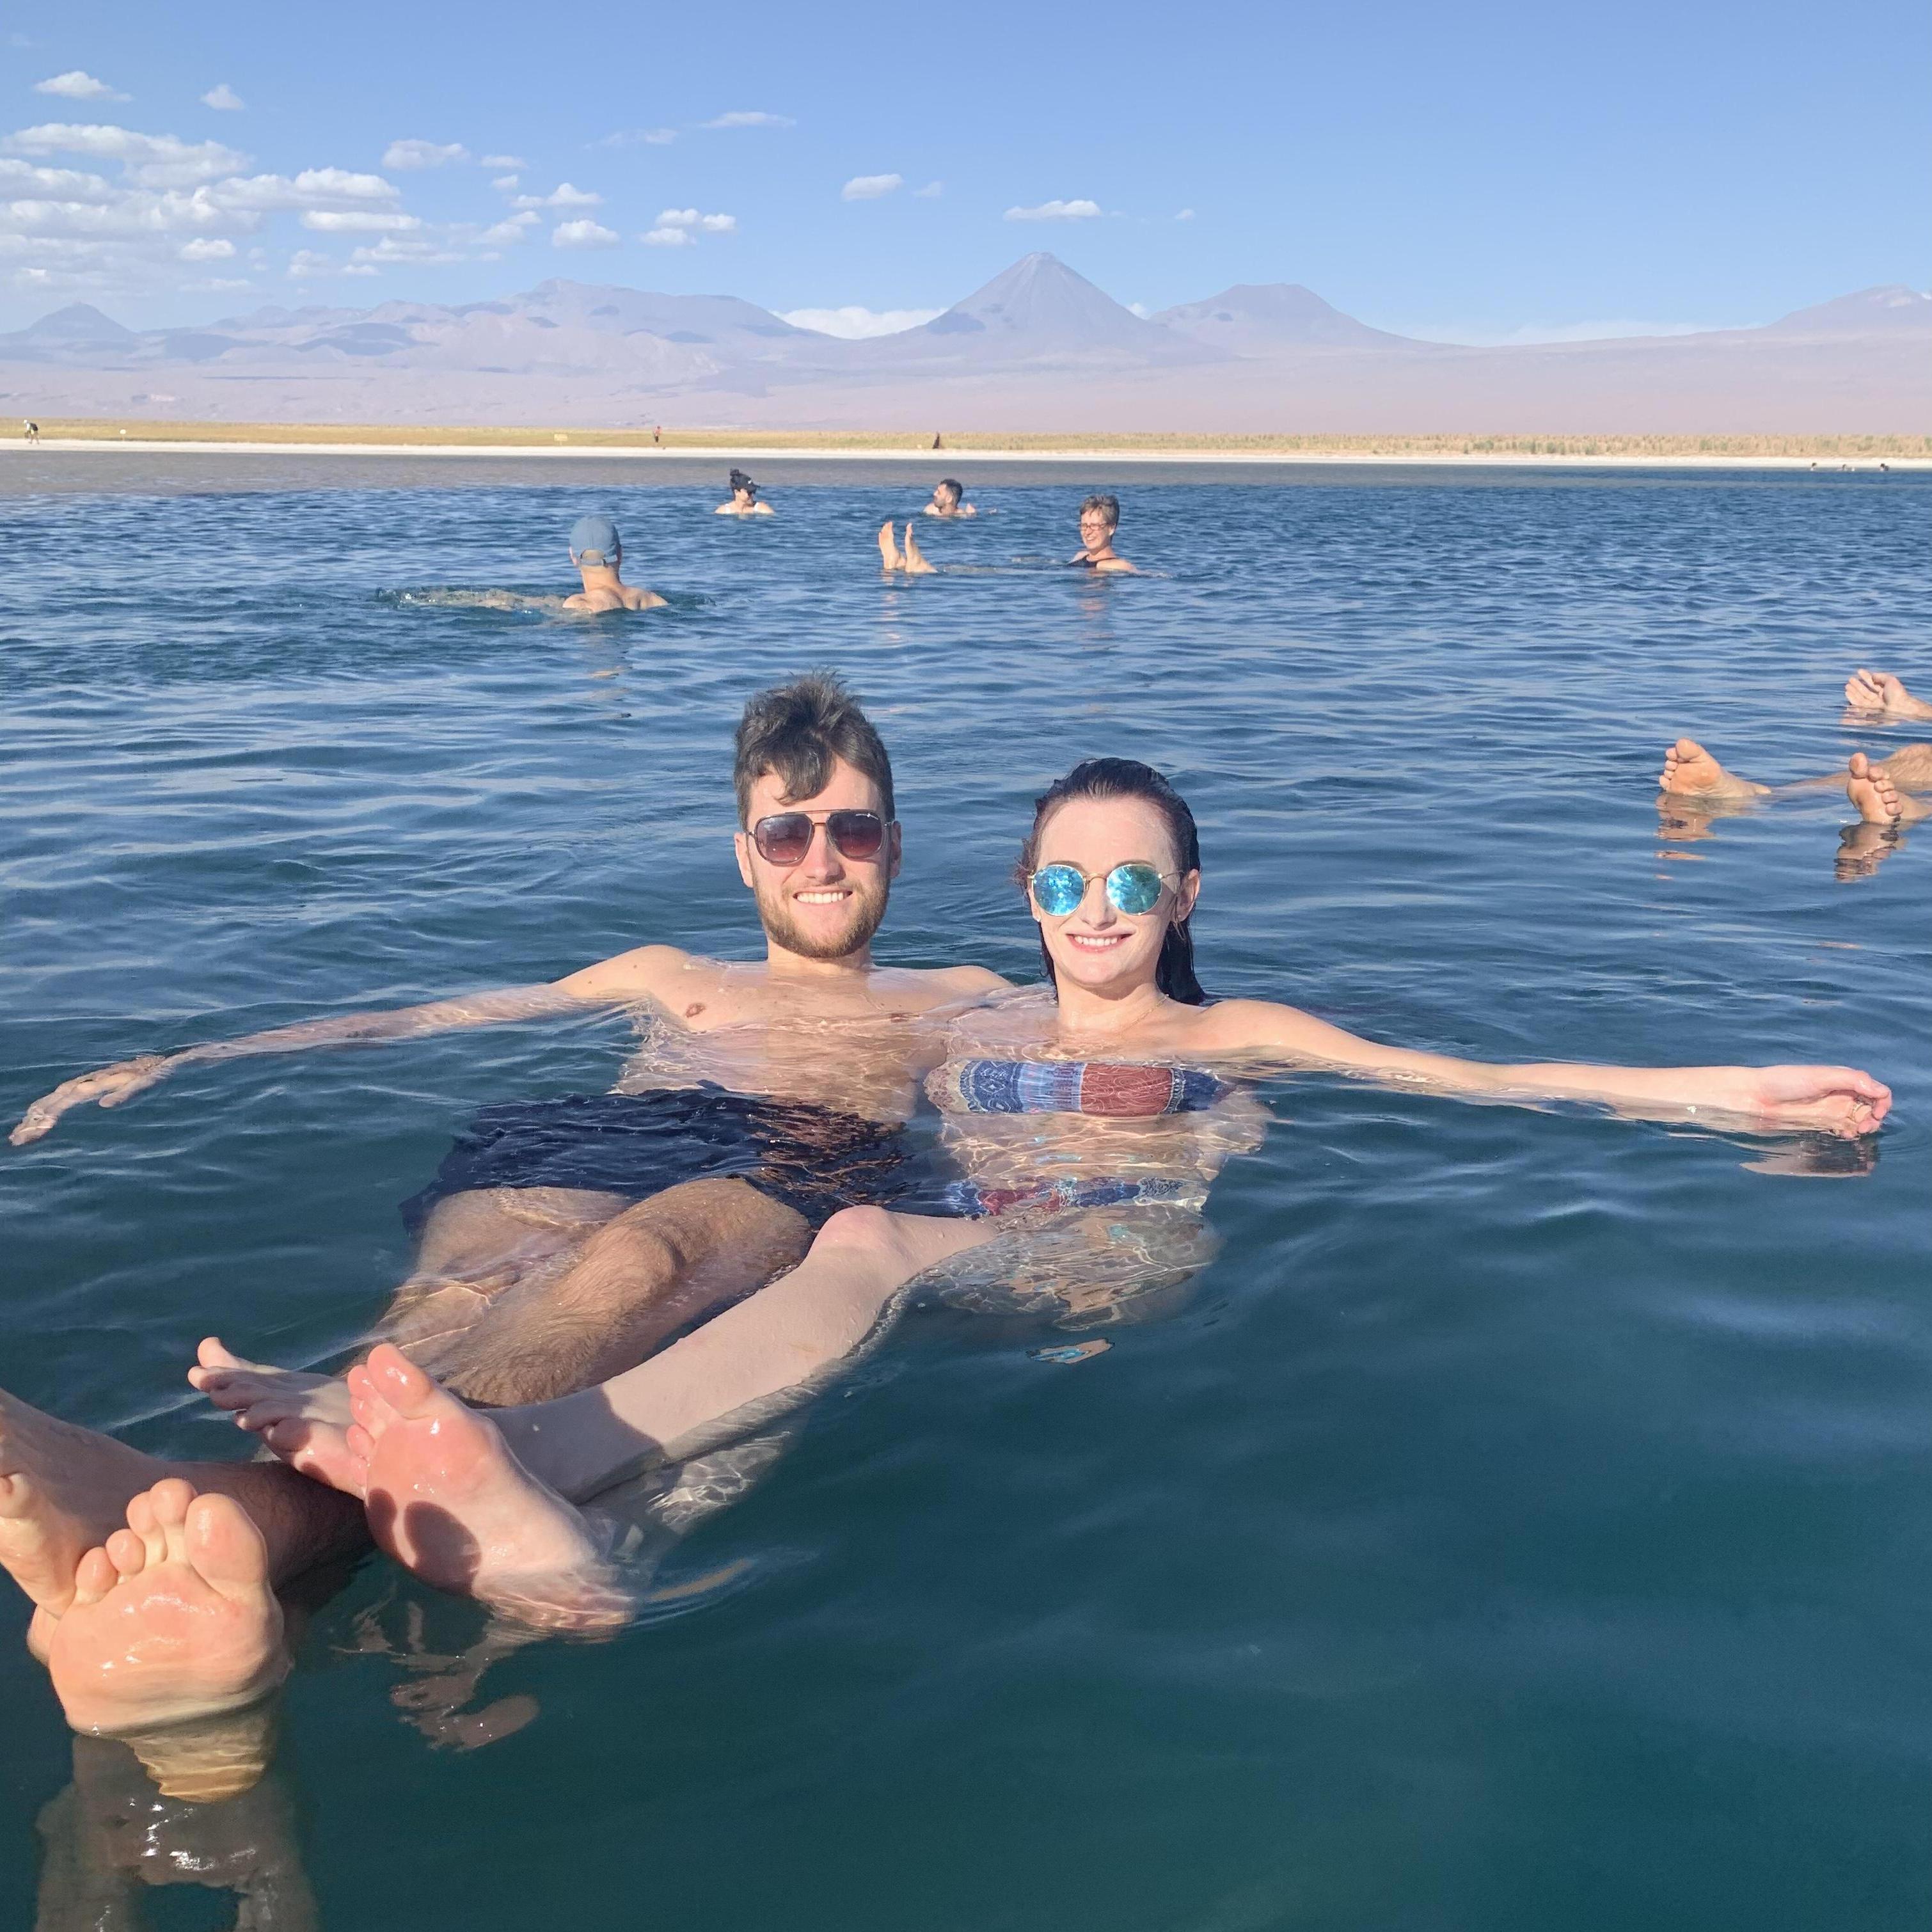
(153, 160)
(563, 196)
(870, 188)
(504, 183)
(751, 117)
(206, 248)
(212, 285)
(637, 137)
(690, 218)
(931, 191)
(666, 238)
(583, 235)
(1186, 214)
(223, 98)
(1056, 211)
(1140, 309)
(359, 221)
(33, 183)
(856, 324)
(75, 85)
(313, 187)
(390, 249)
(514, 228)
(502, 161)
(413, 153)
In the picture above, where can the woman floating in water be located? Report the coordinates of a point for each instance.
(1087, 1125)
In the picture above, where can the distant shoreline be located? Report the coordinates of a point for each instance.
(1827, 453)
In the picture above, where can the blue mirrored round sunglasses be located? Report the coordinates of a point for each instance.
(1132, 887)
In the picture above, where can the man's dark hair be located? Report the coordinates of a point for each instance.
(1109, 507)
(953, 483)
(796, 730)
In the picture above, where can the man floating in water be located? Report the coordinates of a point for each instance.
(598, 552)
(744, 499)
(1099, 518)
(911, 560)
(561, 1241)
(949, 499)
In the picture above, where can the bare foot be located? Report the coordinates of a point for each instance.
(303, 1417)
(1879, 690)
(1878, 801)
(63, 1492)
(173, 1620)
(449, 1500)
(915, 558)
(1689, 771)
(889, 549)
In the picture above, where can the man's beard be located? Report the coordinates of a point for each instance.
(867, 912)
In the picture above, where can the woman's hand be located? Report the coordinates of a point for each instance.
(1839, 1100)
(108, 1085)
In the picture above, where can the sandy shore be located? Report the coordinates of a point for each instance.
(950, 458)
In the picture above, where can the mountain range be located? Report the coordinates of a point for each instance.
(1040, 347)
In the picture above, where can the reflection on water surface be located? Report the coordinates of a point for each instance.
(1520, 1517)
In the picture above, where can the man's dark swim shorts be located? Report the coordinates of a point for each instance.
(638, 1144)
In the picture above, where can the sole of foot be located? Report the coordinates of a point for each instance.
(447, 1500)
(171, 1622)
(63, 1491)
(1690, 771)
(1876, 798)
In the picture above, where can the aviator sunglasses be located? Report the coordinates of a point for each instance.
(1134, 886)
(785, 837)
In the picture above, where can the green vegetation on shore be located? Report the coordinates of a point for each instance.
(416, 436)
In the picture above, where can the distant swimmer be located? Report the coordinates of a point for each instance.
(744, 499)
(949, 499)
(911, 560)
(598, 552)
(1099, 518)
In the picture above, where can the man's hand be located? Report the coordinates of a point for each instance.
(1879, 690)
(1838, 1100)
(109, 1085)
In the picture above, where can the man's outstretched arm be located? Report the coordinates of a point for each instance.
(629, 977)
(1839, 1100)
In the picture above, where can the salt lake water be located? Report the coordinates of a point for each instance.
(1527, 1521)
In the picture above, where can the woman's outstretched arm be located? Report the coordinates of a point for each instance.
(1840, 1100)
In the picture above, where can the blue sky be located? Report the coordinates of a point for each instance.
(1473, 171)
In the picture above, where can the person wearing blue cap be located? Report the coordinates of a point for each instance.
(598, 552)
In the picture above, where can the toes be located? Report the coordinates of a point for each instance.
(225, 1546)
(93, 1576)
(1861, 766)
(127, 1552)
(398, 1380)
(211, 1354)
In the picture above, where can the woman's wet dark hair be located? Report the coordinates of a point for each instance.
(740, 481)
(1128, 778)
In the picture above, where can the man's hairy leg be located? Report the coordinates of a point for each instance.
(645, 1273)
(576, 1317)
